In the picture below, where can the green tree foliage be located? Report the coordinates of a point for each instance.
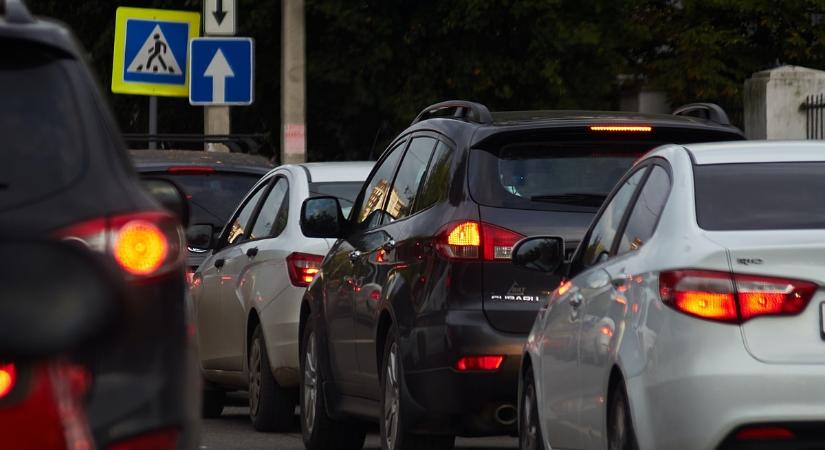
(373, 64)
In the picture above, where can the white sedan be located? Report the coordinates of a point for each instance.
(693, 317)
(247, 292)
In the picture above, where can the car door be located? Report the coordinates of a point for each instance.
(607, 312)
(389, 261)
(345, 273)
(229, 264)
(566, 316)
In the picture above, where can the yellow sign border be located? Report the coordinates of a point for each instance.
(119, 85)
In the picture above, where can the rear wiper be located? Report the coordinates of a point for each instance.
(572, 198)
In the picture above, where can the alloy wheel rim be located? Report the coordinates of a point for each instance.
(310, 383)
(391, 398)
(529, 425)
(255, 377)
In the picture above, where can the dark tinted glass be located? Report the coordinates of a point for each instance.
(344, 191)
(438, 179)
(272, 219)
(601, 238)
(212, 196)
(239, 229)
(410, 174)
(378, 187)
(646, 211)
(39, 125)
(763, 196)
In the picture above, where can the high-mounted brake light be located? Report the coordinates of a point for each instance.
(303, 267)
(735, 298)
(762, 433)
(474, 240)
(622, 128)
(190, 169)
(8, 377)
(479, 363)
(144, 244)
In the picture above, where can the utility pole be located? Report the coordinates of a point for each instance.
(293, 83)
(219, 20)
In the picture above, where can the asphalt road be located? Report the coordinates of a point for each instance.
(233, 431)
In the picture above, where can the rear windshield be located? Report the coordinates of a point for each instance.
(552, 175)
(212, 196)
(345, 191)
(38, 124)
(763, 196)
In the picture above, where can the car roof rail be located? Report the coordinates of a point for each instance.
(708, 111)
(15, 11)
(464, 110)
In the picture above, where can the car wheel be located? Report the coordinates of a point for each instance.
(393, 434)
(529, 430)
(321, 432)
(619, 426)
(271, 407)
(212, 403)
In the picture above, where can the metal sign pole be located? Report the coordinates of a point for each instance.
(153, 122)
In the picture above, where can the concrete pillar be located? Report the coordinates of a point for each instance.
(216, 121)
(293, 83)
(773, 99)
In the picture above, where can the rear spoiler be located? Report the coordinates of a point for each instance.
(14, 11)
(707, 111)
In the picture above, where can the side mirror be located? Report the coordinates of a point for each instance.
(201, 236)
(55, 298)
(321, 217)
(170, 196)
(541, 253)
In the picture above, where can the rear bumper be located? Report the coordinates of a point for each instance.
(444, 400)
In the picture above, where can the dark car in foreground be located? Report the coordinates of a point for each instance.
(417, 318)
(66, 176)
(214, 184)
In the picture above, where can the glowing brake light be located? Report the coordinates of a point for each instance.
(140, 247)
(728, 297)
(8, 376)
(471, 240)
(480, 363)
(303, 267)
(622, 128)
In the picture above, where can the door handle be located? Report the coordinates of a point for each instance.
(354, 255)
(576, 300)
(389, 245)
(219, 263)
(252, 252)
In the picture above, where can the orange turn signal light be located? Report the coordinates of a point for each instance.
(140, 247)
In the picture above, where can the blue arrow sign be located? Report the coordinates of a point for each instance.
(222, 71)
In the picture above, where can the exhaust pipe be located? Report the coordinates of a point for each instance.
(505, 415)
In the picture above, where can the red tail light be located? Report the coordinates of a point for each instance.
(303, 267)
(190, 169)
(144, 245)
(727, 297)
(764, 433)
(469, 240)
(8, 377)
(482, 363)
(157, 440)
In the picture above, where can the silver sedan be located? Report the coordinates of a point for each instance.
(694, 314)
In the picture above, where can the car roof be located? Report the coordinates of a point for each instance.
(509, 118)
(156, 160)
(16, 22)
(757, 152)
(321, 172)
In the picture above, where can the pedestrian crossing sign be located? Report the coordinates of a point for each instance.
(150, 55)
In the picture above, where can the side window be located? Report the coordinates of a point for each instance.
(604, 232)
(240, 226)
(646, 211)
(408, 180)
(438, 179)
(271, 220)
(377, 188)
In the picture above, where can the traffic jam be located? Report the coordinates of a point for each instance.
(536, 279)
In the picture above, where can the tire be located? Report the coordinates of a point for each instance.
(530, 437)
(620, 434)
(212, 403)
(319, 431)
(271, 407)
(392, 422)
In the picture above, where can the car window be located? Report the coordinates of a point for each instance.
(437, 181)
(646, 211)
(240, 226)
(377, 189)
(344, 191)
(272, 219)
(604, 232)
(408, 180)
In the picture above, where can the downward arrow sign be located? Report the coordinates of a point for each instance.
(219, 12)
(219, 70)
